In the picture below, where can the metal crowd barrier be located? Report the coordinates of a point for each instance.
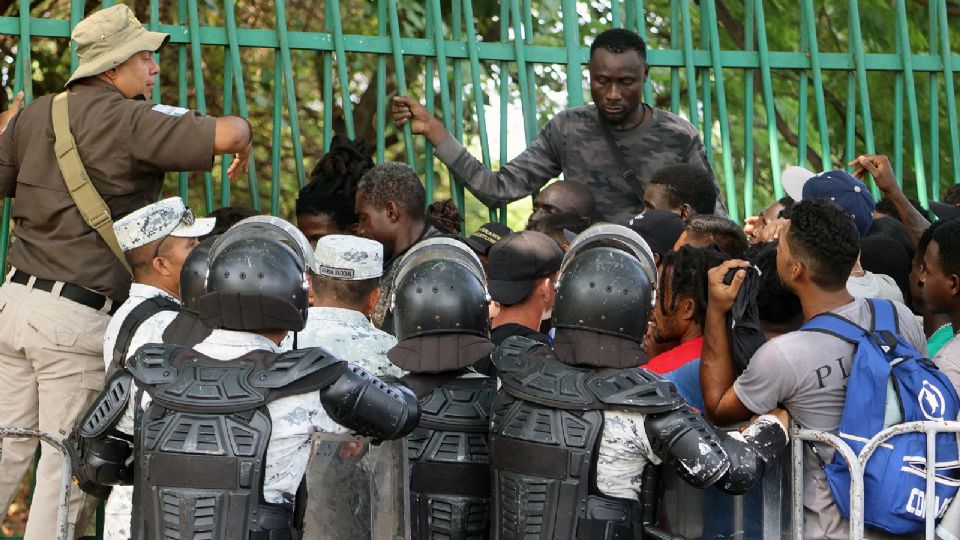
(64, 527)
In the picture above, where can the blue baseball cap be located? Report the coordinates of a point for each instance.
(839, 186)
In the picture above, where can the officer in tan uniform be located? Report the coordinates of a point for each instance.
(66, 279)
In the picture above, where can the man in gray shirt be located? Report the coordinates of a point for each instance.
(574, 142)
(804, 372)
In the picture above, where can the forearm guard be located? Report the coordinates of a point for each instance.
(689, 444)
(751, 453)
(362, 402)
(98, 451)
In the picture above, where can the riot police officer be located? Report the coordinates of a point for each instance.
(573, 430)
(440, 306)
(222, 446)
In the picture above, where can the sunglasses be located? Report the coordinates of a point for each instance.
(186, 220)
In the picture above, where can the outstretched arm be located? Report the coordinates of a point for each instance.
(522, 176)
(365, 404)
(878, 166)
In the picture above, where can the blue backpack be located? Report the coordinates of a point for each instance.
(890, 383)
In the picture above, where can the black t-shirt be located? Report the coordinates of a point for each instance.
(499, 334)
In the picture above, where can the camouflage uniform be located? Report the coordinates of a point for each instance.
(119, 507)
(572, 143)
(294, 419)
(348, 335)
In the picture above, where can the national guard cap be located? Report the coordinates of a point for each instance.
(109, 38)
(169, 217)
(350, 258)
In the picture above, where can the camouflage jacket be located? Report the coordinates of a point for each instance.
(573, 143)
(348, 335)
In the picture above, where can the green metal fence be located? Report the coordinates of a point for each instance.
(715, 54)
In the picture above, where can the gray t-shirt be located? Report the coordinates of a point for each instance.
(573, 143)
(948, 360)
(806, 373)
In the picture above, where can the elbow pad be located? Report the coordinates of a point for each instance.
(751, 452)
(689, 444)
(99, 453)
(360, 401)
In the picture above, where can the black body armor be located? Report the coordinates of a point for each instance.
(201, 444)
(545, 435)
(186, 330)
(449, 457)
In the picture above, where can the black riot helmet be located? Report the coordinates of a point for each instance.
(440, 288)
(607, 283)
(257, 280)
(193, 275)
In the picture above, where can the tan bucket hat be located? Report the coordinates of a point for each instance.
(109, 38)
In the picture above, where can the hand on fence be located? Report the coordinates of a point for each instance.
(878, 165)
(8, 114)
(410, 111)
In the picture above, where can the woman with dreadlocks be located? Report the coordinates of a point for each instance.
(679, 315)
(325, 205)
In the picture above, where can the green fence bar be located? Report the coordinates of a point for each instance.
(430, 92)
(863, 89)
(456, 34)
(571, 41)
(850, 121)
(196, 58)
(811, 31)
(674, 44)
(531, 71)
(934, 111)
(276, 141)
(917, 138)
(691, 71)
(950, 89)
(641, 18)
(748, 175)
(183, 177)
(706, 101)
(898, 114)
(76, 14)
(396, 48)
(803, 96)
(729, 180)
(382, 115)
(227, 110)
(327, 91)
(291, 90)
(237, 68)
(342, 75)
(766, 82)
(477, 86)
(526, 97)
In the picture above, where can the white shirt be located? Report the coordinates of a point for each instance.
(119, 507)
(294, 418)
(872, 285)
(348, 335)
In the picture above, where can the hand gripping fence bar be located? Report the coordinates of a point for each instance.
(64, 527)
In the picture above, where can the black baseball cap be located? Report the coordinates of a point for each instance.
(486, 236)
(944, 211)
(660, 228)
(517, 261)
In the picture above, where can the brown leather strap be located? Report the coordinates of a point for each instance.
(91, 205)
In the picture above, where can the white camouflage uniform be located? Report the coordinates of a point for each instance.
(151, 223)
(294, 418)
(623, 454)
(348, 335)
(119, 507)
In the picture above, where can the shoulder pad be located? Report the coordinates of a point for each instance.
(292, 366)
(529, 371)
(637, 389)
(153, 364)
(108, 407)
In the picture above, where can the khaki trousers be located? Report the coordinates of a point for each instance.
(51, 370)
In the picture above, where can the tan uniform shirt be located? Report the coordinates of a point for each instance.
(126, 146)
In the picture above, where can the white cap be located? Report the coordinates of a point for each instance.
(339, 256)
(168, 217)
(793, 179)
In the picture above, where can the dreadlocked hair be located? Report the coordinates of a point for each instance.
(686, 271)
(333, 181)
(445, 217)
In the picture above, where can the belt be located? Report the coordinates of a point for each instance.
(69, 291)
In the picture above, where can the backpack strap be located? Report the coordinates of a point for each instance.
(884, 316)
(836, 326)
(131, 323)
